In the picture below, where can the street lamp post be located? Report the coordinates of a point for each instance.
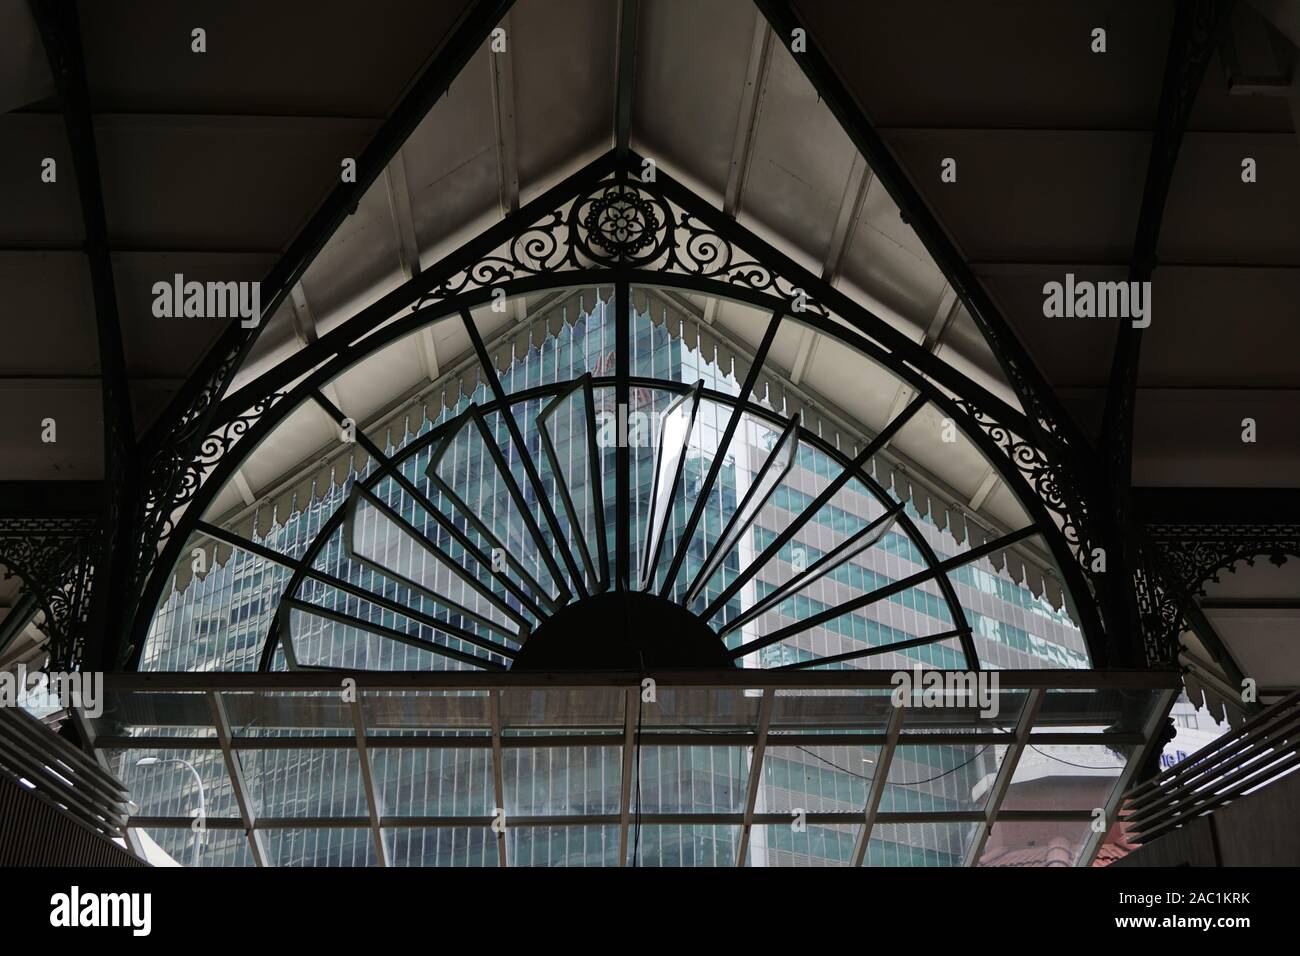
(198, 834)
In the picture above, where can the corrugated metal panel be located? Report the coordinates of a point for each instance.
(57, 806)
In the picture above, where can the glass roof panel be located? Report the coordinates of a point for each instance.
(919, 844)
(441, 846)
(563, 846)
(816, 844)
(431, 754)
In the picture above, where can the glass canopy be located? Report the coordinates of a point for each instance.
(771, 768)
(653, 495)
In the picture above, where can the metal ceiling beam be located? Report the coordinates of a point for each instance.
(264, 824)
(60, 29)
(846, 221)
(846, 225)
(400, 208)
(1217, 506)
(45, 247)
(1197, 27)
(1112, 269)
(1029, 383)
(222, 118)
(628, 15)
(605, 739)
(49, 499)
(1251, 604)
(757, 71)
(204, 389)
(304, 320)
(502, 74)
(940, 323)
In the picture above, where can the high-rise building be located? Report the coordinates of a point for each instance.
(216, 620)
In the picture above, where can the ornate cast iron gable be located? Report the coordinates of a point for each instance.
(605, 224)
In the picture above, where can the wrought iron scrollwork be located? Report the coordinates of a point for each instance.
(624, 223)
(1191, 556)
(1196, 554)
(54, 558)
(605, 222)
(177, 473)
(1050, 480)
(1159, 606)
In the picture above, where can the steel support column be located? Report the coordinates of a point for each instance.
(60, 29)
(1197, 27)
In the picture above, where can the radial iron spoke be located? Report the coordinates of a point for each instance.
(387, 603)
(675, 426)
(339, 584)
(394, 472)
(461, 538)
(431, 548)
(529, 466)
(292, 604)
(871, 651)
(858, 542)
(720, 454)
(787, 534)
(622, 454)
(594, 478)
(521, 502)
(770, 475)
(879, 594)
(471, 417)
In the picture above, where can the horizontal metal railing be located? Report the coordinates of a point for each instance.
(1257, 753)
(52, 770)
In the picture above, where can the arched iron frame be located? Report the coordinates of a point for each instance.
(606, 225)
(389, 467)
